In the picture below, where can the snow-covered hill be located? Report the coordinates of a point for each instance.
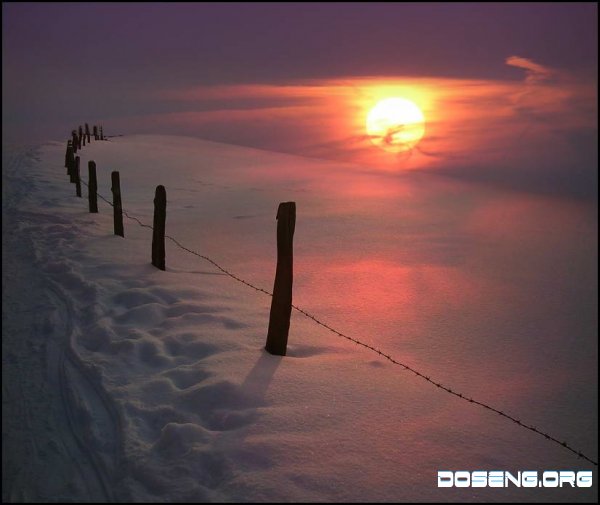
(123, 382)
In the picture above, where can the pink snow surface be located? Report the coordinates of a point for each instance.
(492, 293)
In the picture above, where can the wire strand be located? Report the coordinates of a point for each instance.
(374, 349)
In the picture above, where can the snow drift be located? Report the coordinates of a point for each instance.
(164, 376)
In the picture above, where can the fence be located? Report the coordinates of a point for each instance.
(281, 304)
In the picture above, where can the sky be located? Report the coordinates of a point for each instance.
(508, 91)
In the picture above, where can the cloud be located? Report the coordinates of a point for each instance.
(535, 72)
(531, 134)
(550, 96)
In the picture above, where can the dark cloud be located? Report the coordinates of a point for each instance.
(574, 175)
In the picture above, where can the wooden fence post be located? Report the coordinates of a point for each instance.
(87, 132)
(281, 304)
(80, 136)
(83, 139)
(75, 143)
(95, 132)
(101, 134)
(77, 178)
(158, 236)
(92, 186)
(70, 162)
(118, 210)
(69, 148)
(74, 166)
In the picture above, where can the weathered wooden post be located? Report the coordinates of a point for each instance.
(70, 161)
(95, 132)
(77, 178)
(158, 236)
(83, 139)
(80, 136)
(118, 210)
(92, 187)
(87, 132)
(75, 142)
(101, 134)
(69, 147)
(281, 305)
(74, 167)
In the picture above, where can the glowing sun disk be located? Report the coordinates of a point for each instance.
(395, 124)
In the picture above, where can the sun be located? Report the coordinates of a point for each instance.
(395, 124)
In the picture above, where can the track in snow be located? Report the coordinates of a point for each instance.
(62, 436)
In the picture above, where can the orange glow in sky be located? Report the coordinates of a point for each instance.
(468, 122)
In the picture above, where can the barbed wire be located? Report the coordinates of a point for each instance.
(372, 348)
